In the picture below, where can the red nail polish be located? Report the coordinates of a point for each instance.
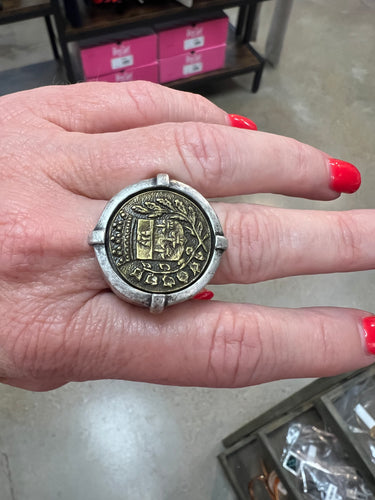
(369, 328)
(242, 122)
(345, 177)
(204, 295)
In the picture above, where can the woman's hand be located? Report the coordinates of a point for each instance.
(64, 151)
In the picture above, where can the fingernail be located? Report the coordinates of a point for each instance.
(242, 122)
(345, 177)
(369, 328)
(204, 295)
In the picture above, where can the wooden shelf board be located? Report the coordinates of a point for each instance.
(99, 21)
(18, 10)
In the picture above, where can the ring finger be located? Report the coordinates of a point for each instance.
(267, 243)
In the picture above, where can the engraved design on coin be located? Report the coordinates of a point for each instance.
(159, 241)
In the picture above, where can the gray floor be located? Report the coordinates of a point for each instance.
(119, 440)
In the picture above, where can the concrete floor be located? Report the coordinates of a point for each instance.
(118, 440)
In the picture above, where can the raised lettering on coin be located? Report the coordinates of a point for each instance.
(159, 241)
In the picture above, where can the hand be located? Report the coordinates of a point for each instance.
(66, 150)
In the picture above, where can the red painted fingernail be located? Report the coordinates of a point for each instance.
(369, 328)
(204, 295)
(345, 177)
(242, 122)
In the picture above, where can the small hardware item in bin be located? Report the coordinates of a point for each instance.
(366, 418)
(357, 408)
(271, 483)
(314, 456)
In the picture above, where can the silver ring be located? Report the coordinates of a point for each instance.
(158, 242)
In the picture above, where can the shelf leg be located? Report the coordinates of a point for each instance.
(60, 26)
(257, 78)
(242, 16)
(67, 63)
(252, 21)
(52, 37)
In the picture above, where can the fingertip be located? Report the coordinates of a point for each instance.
(368, 325)
(345, 177)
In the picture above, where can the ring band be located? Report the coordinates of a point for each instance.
(158, 243)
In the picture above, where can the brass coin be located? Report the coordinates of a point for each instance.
(159, 241)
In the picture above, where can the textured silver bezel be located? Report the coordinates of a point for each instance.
(156, 302)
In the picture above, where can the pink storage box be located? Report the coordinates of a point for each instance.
(192, 37)
(148, 72)
(192, 63)
(112, 57)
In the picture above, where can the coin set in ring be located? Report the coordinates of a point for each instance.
(158, 243)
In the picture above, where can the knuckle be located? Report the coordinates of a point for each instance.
(348, 240)
(200, 105)
(90, 357)
(325, 354)
(235, 349)
(198, 146)
(22, 241)
(322, 329)
(299, 158)
(146, 97)
(251, 236)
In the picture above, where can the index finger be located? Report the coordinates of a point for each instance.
(96, 107)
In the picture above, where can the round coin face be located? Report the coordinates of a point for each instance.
(159, 241)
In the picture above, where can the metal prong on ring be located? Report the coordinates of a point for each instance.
(162, 180)
(158, 303)
(96, 237)
(221, 242)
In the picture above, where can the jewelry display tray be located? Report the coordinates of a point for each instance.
(264, 437)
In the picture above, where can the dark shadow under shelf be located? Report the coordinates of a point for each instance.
(98, 21)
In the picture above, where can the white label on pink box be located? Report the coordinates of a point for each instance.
(210, 33)
(190, 69)
(193, 64)
(193, 43)
(122, 62)
(185, 65)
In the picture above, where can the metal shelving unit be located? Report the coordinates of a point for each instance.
(241, 57)
(12, 11)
